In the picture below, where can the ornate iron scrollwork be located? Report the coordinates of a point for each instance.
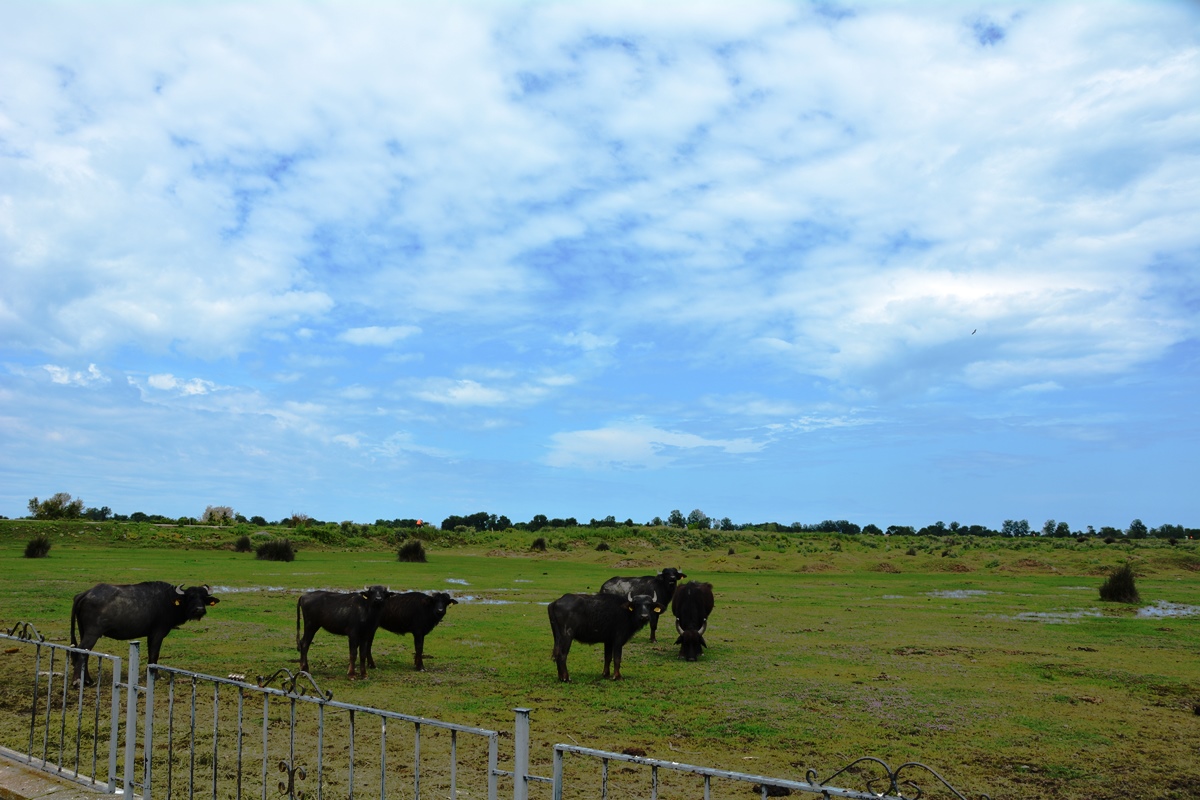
(291, 683)
(288, 788)
(27, 633)
(896, 787)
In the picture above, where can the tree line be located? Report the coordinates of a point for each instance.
(63, 506)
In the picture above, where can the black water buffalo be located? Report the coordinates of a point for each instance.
(595, 619)
(692, 604)
(661, 586)
(354, 615)
(416, 613)
(131, 611)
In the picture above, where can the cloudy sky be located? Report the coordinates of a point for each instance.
(887, 262)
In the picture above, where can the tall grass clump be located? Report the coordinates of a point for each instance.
(276, 550)
(38, 547)
(539, 544)
(242, 544)
(1119, 586)
(413, 552)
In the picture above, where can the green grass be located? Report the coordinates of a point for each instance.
(997, 666)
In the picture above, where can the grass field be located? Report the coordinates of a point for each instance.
(991, 660)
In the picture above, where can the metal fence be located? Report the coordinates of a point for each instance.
(67, 730)
(203, 736)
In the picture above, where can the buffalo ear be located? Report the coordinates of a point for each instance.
(212, 601)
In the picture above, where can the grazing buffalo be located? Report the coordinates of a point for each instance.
(131, 611)
(692, 604)
(661, 586)
(416, 613)
(598, 618)
(354, 615)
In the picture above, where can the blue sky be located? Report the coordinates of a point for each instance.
(885, 262)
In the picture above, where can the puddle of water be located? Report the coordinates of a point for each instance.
(959, 594)
(1056, 617)
(483, 601)
(893, 597)
(1164, 609)
(459, 581)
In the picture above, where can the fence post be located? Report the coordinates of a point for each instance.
(558, 775)
(114, 723)
(521, 755)
(131, 693)
(148, 732)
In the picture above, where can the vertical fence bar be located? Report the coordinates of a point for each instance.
(170, 731)
(266, 718)
(192, 744)
(131, 702)
(654, 783)
(382, 758)
(351, 781)
(216, 716)
(241, 702)
(417, 761)
(37, 681)
(320, 746)
(148, 733)
(557, 790)
(521, 754)
(114, 719)
(604, 779)
(493, 765)
(453, 765)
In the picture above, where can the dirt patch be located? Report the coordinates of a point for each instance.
(630, 563)
(885, 566)
(816, 566)
(1030, 564)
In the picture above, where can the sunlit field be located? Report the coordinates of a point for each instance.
(991, 660)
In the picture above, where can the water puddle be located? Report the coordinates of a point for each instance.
(1056, 617)
(959, 594)
(1164, 609)
(459, 581)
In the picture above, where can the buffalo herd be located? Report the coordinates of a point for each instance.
(622, 607)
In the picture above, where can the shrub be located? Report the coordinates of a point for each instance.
(276, 550)
(731, 551)
(1119, 586)
(413, 552)
(602, 546)
(242, 544)
(912, 551)
(539, 544)
(38, 547)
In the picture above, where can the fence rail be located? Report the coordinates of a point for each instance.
(198, 740)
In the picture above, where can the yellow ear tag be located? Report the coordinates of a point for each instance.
(657, 610)
(176, 602)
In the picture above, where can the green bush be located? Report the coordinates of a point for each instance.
(38, 547)
(1119, 586)
(276, 550)
(413, 552)
(539, 544)
(242, 544)
(602, 546)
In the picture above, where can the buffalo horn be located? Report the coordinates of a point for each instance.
(678, 627)
(704, 626)
(179, 589)
(629, 596)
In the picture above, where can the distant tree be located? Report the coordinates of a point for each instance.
(900, 530)
(1048, 527)
(503, 523)
(257, 520)
(1015, 527)
(675, 519)
(1062, 530)
(726, 524)
(538, 522)
(1137, 530)
(872, 529)
(60, 506)
(98, 514)
(217, 515)
(656, 522)
(698, 519)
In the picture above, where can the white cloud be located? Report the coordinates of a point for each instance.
(634, 444)
(376, 336)
(167, 382)
(69, 377)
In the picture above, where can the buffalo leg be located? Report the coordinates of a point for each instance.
(81, 660)
(654, 627)
(560, 658)
(608, 656)
(418, 651)
(302, 646)
(616, 655)
(355, 654)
